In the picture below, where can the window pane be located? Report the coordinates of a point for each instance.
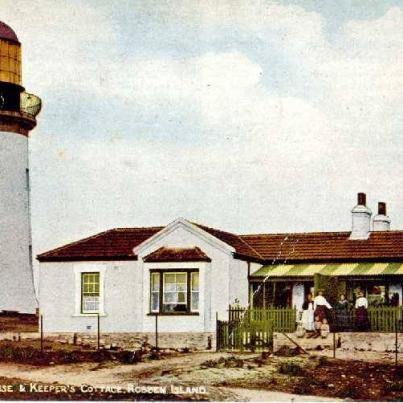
(181, 278)
(195, 281)
(170, 287)
(155, 281)
(169, 278)
(195, 301)
(90, 304)
(181, 287)
(155, 301)
(181, 297)
(170, 297)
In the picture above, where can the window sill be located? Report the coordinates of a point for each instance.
(94, 315)
(173, 314)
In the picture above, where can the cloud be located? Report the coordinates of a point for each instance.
(265, 125)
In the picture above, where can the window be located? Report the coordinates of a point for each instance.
(174, 292)
(194, 307)
(90, 292)
(155, 292)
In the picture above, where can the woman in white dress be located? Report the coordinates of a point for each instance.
(320, 306)
(307, 314)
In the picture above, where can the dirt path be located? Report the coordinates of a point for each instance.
(253, 395)
(106, 374)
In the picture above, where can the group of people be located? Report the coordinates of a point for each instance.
(316, 314)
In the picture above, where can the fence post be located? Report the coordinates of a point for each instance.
(217, 336)
(98, 332)
(334, 344)
(396, 339)
(156, 331)
(41, 320)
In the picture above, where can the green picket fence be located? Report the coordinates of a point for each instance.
(252, 329)
(282, 319)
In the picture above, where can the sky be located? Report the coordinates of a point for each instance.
(249, 116)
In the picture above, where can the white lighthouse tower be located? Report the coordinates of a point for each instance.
(18, 110)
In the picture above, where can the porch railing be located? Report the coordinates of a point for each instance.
(384, 319)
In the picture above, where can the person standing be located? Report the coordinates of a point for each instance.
(307, 314)
(361, 313)
(342, 314)
(320, 306)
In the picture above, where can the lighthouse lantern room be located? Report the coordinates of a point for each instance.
(18, 110)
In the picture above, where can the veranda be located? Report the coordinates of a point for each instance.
(253, 328)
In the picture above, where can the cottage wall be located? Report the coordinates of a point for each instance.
(126, 290)
(58, 293)
(214, 282)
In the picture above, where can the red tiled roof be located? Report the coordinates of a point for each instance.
(115, 244)
(177, 255)
(118, 244)
(327, 246)
(242, 248)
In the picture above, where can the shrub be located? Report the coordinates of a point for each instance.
(208, 364)
(396, 386)
(291, 368)
(323, 360)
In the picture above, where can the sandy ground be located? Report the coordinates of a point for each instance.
(368, 356)
(253, 395)
(184, 370)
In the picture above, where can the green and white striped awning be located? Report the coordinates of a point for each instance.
(342, 269)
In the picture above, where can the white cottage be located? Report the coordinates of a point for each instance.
(185, 273)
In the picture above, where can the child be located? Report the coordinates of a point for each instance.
(300, 332)
(318, 325)
(324, 329)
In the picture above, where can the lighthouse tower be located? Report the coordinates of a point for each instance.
(18, 110)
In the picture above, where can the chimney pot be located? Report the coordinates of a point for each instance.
(382, 208)
(361, 219)
(362, 199)
(381, 220)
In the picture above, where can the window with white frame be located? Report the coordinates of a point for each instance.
(174, 292)
(155, 292)
(194, 300)
(90, 292)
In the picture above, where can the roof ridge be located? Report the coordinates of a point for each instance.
(299, 233)
(137, 228)
(250, 246)
(233, 234)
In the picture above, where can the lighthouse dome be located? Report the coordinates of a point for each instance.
(7, 33)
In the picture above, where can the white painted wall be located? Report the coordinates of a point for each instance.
(59, 294)
(16, 276)
(238, 281)
(127, 290)
(215, 277)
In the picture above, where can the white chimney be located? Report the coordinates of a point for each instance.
(361, 216)
(381, 220)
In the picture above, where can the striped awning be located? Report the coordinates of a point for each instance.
(342, 269)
